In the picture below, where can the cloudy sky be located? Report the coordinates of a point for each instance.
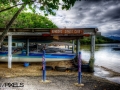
(103, 14)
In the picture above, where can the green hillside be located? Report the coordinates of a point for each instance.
(98, 40)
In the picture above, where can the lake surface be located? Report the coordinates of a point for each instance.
(104, 56)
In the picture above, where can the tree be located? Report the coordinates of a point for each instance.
(10, 23)
(47, 6)
(26, 20)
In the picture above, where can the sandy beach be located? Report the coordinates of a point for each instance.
(31, 77)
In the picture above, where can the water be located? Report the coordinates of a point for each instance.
(106, 57)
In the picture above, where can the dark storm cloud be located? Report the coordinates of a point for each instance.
(99, 8)
(104, 14)
(113, 13)
(99, 13)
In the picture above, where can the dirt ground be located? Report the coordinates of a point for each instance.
(30, 79)
(34, 69)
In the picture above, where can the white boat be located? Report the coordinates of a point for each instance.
(36, 57)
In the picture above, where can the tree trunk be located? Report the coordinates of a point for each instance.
(4, 33)
(10, 8)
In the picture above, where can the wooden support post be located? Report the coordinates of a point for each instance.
(91, 62)
(9, 51)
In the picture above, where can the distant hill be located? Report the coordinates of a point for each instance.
(114, 37)
(99, 40)
(103, 39)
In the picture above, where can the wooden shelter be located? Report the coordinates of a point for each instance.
(47, 34)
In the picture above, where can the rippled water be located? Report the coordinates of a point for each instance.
(104, 56)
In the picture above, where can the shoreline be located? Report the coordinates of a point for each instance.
(103, 72)
(107, 74)
(114, 73)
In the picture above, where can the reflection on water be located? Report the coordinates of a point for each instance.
(104, 56)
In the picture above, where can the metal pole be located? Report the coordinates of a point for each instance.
(44, 66)
(27, 47)
(37, 47)
(79, 68)
(73, 46)
(22, 45)
(26, 64)
(9, 51)
(79, 72)
(68, 47)
(17, 44)
(78, 47)
(2, 46)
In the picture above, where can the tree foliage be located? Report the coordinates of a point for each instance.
(47, 6)
(25, 20)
